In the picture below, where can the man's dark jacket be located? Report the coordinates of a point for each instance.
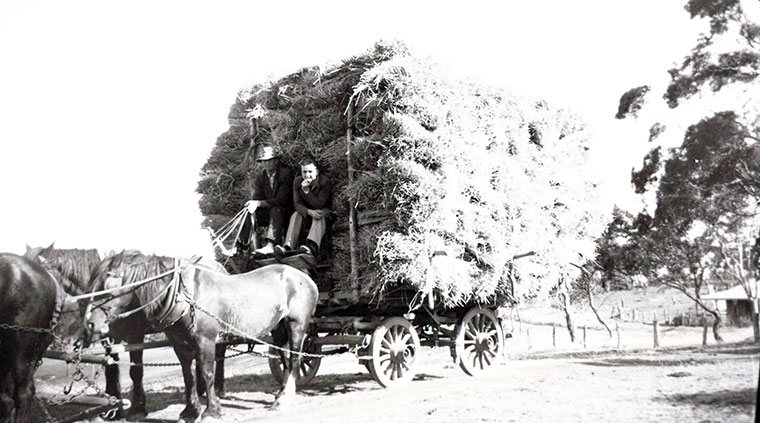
(319, 197)
(281, 195)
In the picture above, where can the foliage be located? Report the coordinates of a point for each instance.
(707, 188)
(467, 169)
(631, 101)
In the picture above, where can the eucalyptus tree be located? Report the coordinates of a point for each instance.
(708, 187)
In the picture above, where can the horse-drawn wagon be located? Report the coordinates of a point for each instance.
(385, 332)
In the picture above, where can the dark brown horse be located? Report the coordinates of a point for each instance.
(31, 301)
(72, 267)
(194, 306)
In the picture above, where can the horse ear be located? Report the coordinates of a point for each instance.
(49, 247)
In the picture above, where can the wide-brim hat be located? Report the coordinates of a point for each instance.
(266, 152)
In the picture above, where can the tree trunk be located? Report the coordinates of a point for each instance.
(570, 324)
(756, 327)
(563, 298)
(596, 312)
(716, 324)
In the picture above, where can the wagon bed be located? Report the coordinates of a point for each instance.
(387, 333)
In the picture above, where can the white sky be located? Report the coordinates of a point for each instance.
(108, 110)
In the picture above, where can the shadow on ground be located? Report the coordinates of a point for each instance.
(652, 362)
(744, 398)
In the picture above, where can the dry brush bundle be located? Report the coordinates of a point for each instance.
(469, 170)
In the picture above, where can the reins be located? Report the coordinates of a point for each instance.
(173, 286)
(130, 285)
(217, 239)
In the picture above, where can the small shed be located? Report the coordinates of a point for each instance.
(734, 305)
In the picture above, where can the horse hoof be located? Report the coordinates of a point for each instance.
(282, 402)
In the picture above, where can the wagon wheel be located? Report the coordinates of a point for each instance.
(309, 365)
(394, 347)
(479, 341)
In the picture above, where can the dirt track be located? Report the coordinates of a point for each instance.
(716, 385)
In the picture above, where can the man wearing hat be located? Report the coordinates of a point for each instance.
(271, 203)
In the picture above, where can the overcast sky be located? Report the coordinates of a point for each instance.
(108, 110)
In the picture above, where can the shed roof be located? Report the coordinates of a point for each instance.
(735, 293)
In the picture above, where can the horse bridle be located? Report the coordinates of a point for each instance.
(173, 286)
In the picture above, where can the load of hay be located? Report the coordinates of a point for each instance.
(454, 166)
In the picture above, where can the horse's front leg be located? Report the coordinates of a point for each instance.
(205, 358)
(113, 384)
(139, 404)
(183, 347)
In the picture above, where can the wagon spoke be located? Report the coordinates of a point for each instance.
(395, 333)
(405, 338)
(386, 343)
(486, 358)
(470, 333)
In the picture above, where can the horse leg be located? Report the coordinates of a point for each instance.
(297, 333)
(6, 378)
(280, 337)
(139, 406)
(24, 386)
(6, 392)
(221, 350)
(113, 383)
(205, 357)
(185, 354)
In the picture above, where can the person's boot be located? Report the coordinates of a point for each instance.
(280, 250)
(309, 248)
(266, 249)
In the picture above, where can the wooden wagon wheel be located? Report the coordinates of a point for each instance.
(395, 347)
(479, 341)
(309, 365)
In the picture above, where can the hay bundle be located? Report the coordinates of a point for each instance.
(472, 171)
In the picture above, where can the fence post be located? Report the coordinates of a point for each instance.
(527, 336)
(635, 318)
(656, 333)
(617, 330)
(554, 336)
(667, 316)
(704, 330)
(584, 336)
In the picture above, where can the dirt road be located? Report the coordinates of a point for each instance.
(715, 385)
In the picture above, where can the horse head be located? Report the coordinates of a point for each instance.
(101, 310)
(126, 285)
(71, 267)
(106, 276)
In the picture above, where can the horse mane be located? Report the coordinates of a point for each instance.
(72, 267)
(134, 266)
